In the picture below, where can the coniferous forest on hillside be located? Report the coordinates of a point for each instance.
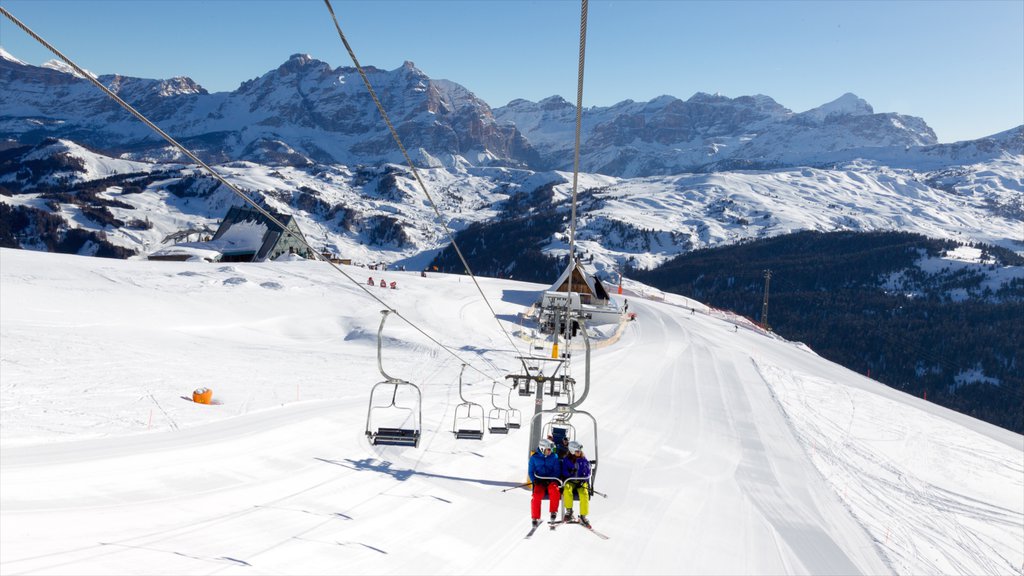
(829, 291)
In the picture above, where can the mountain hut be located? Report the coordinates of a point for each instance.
(244, 235)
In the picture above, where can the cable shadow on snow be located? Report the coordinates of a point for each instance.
(384, 467)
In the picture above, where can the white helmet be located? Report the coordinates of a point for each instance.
(545, 444)
(575, 446)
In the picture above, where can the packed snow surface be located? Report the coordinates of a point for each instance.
(721, 449)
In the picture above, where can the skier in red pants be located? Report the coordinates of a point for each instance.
(544, 471)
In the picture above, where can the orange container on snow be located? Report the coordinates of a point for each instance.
(202, 395)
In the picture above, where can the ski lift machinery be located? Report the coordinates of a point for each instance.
(407, 433)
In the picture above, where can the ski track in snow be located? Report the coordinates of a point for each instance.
(720, 451)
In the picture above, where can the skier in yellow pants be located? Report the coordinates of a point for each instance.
(576, 473)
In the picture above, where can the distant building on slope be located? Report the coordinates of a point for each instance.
(244, 235)
(589, 298)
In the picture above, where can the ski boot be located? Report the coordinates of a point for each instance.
(567, 517)
(584, 521)
(536, 522)
(554, 517)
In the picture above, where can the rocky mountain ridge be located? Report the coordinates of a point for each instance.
(304, 112)
(301, 113)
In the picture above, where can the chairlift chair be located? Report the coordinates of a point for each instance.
(407, 432)
(498, 417)
(553, 386)
(514, 419)
(558, 427)
(522, 384)
(560, 386)
(497, 421)
(547, 422)
(464, 412)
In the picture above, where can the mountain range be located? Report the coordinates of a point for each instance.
(305, 112)
(662, 177)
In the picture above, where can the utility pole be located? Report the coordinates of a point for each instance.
(764, 307)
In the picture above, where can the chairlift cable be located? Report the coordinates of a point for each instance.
(576, 169)
(394, 133)
(229, 185)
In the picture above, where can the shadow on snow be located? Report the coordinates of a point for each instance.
(374, 465)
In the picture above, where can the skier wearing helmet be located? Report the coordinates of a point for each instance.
(576, 473)
(544, 470)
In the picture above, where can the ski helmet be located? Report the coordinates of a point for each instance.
(575, 446)
(545, 444)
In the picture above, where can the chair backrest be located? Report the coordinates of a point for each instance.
(558, 435)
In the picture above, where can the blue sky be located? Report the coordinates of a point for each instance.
(958, 65)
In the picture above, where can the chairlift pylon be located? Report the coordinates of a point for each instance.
(408, 429)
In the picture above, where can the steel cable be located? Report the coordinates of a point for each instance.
(416, 174)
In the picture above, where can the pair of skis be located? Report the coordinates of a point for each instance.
(556, 523)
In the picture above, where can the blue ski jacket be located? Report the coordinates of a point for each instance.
(541, 465)
(573, 467)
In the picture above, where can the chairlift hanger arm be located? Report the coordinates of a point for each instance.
(380, 340)
(461, 372)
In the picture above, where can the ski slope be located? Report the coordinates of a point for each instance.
(723, 450)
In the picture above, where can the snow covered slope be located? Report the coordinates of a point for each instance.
(722, 449)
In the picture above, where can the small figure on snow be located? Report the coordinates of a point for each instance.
(576, 473)
(383, 284)
(544, 471)
(370, 282)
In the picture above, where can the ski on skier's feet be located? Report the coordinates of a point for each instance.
(532, 530)
(591, 528)
(555, 524)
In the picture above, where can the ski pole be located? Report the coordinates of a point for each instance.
(523, 485)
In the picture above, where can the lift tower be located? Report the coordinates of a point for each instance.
(764, 307)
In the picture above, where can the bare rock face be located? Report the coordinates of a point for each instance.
(667, 135)
(315, 111)
(306, 112)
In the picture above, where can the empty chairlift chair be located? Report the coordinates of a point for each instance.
(466, 426)
(402, 412)
(522, 384)
(497, 417)
(514, 419)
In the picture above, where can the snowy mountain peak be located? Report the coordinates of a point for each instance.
(661, 101)
(5, 55)
(846, 105)
(61, 66)
(704, 97)
(553, 103)
(297, 63)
